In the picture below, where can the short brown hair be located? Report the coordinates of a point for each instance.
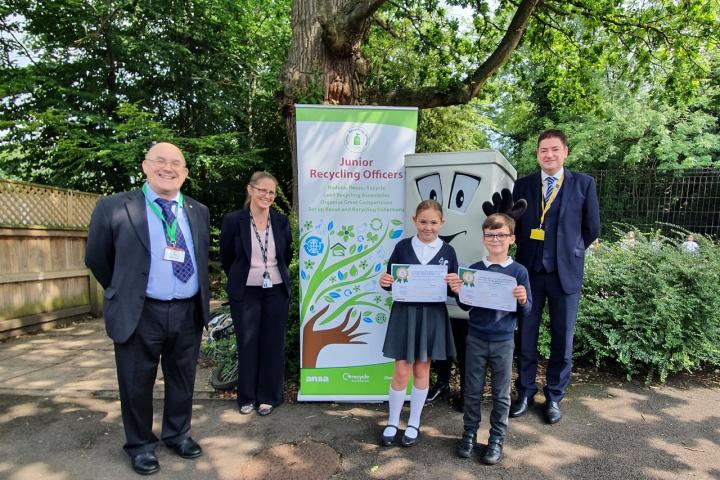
(499, 220)
(429, 205)
(552, 133)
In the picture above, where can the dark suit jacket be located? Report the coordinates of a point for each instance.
(236, 248)
(578, 227)
(118, 254)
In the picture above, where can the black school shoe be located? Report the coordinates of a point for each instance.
(388, 440)
(409, 441)
(493, 453)
(466, 446)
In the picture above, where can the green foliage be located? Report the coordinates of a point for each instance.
(221, 352)
(627, 87)
(292, 340)
(451, 129)
(86, 87)
(67, 151)
(635, 131)
(417, 44)
(650, 308)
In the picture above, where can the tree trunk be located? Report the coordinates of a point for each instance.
(324, 63)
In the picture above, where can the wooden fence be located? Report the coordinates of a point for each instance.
(43, 278)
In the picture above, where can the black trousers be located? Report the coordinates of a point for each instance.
(481, 356)
(168, 333)
(260, 325)
(442, 367)
(563, 316)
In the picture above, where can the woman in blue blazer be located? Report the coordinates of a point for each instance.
(255, 252)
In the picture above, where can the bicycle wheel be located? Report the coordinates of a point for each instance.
(224, 380)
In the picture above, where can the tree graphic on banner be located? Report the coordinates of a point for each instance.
(343, 282)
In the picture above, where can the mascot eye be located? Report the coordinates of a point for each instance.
(430, 188)
(463, 191)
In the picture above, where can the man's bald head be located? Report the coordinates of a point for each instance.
(165, 169)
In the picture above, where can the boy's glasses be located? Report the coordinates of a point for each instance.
(496, 236)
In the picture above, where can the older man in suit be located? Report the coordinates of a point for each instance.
(562, 219)
(148, 248)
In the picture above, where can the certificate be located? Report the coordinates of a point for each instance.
(419, 283)
(481, 288)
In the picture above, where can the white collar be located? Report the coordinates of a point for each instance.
(557, 175)
(435, 244)
(503, 264)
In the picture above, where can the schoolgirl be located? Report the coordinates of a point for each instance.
(417, 332)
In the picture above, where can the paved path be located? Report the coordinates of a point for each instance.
(60, 419)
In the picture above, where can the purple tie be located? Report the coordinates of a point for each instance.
(183, 271)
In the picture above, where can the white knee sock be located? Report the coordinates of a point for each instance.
(417, 402)
(396, 398)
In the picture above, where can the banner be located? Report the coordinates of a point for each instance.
(351, 213)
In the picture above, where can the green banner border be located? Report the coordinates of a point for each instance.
(399, 117)
(352, 380)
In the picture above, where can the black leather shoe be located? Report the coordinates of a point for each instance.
(552, 412)
(145, 463)
(467, 444)
(388, 440)
(520, 406)
(188, 448)
(440, 389)
(493, 453)
(409, 441)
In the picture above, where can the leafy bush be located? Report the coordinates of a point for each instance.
(650, 307)
(221, 352)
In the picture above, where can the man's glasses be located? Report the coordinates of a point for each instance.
(496, 236)
(264, 193)
(164, 162)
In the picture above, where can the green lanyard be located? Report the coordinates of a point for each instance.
(170, 230)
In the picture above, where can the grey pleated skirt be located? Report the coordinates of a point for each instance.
(419, 331)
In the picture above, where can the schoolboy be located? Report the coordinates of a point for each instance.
(490, 342)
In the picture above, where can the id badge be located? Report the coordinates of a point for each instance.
(537, 234)
(174, 254)
(267, 281)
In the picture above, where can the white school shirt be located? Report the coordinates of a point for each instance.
(426, 251)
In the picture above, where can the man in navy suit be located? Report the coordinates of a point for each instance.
(148, 248)
(562, 219)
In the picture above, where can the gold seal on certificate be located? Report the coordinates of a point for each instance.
(419, 283)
